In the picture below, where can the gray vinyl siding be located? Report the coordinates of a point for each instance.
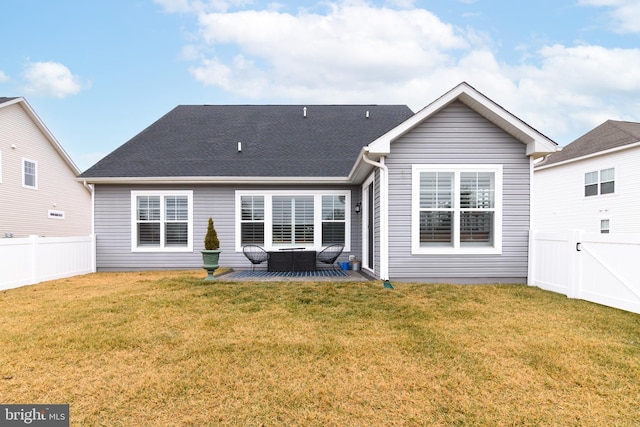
(458, 135)
(113, 227)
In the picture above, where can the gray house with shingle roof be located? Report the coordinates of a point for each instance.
(593, 184)
(442, 194)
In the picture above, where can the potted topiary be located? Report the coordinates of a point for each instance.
(211, 252)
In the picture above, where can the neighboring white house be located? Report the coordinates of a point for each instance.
(593, 184)
(38, 185)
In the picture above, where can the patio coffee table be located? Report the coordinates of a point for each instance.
(292, 259)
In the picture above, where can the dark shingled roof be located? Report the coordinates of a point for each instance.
(277, 141)
(4, 99)
(610, 134)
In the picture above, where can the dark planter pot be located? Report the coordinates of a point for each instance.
(210, 262)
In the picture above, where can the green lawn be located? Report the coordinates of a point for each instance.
(167, 349)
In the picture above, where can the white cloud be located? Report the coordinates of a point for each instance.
(349, 48)
(3, 77)
(625, 14)
(50, 79)
(359, 53)
(570, 90)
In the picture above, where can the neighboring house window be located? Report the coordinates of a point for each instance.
(605, 226)
(457, 208)
(162, 221)
(599, 182)
(280, 219)
(29, 174)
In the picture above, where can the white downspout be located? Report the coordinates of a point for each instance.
(91, 189)
(384, 215)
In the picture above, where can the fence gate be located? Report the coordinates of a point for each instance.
(602, 268)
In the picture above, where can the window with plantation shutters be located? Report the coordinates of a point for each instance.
(457, 208)
(176, 221)
(436, 208)
(333, 219)
(162, 221)
(148, 220)
(477, 205)
(293, 220)
(280, 219)
(252, 220)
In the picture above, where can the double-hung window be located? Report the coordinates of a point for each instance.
(457, 208)
(333, 219)
(161, 221)
(29, 174)
(599, 182)
(252, 220)
(281, 219)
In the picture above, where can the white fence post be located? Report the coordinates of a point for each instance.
(531, 265)
(33, 265)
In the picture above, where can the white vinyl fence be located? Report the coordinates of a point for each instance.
(25, 261)
(601, 268)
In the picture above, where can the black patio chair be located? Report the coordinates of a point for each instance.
(330, 254)
(256, 254)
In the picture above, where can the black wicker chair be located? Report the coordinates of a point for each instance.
(330, 254)
(255, 254)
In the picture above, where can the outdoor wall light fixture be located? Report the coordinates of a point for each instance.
(358, 207)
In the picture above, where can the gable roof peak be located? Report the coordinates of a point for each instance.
(537, 144)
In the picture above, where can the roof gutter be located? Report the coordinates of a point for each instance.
(384, 216)
(215, 180)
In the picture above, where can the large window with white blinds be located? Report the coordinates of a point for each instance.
(282, 219)
(292, 222)
(457, 208)
(161, 221)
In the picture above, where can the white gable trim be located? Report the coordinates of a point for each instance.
(537, 144)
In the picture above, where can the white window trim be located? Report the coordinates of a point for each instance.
(599, 183)
(456, 248)
(24, 185)
(317, 215)
(162, 194)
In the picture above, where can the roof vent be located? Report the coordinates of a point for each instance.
(367, 114)
(239, 146)
(304, 112)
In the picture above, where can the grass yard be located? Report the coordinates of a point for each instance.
(166, 349)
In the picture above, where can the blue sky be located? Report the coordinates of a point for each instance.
(99, 72)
